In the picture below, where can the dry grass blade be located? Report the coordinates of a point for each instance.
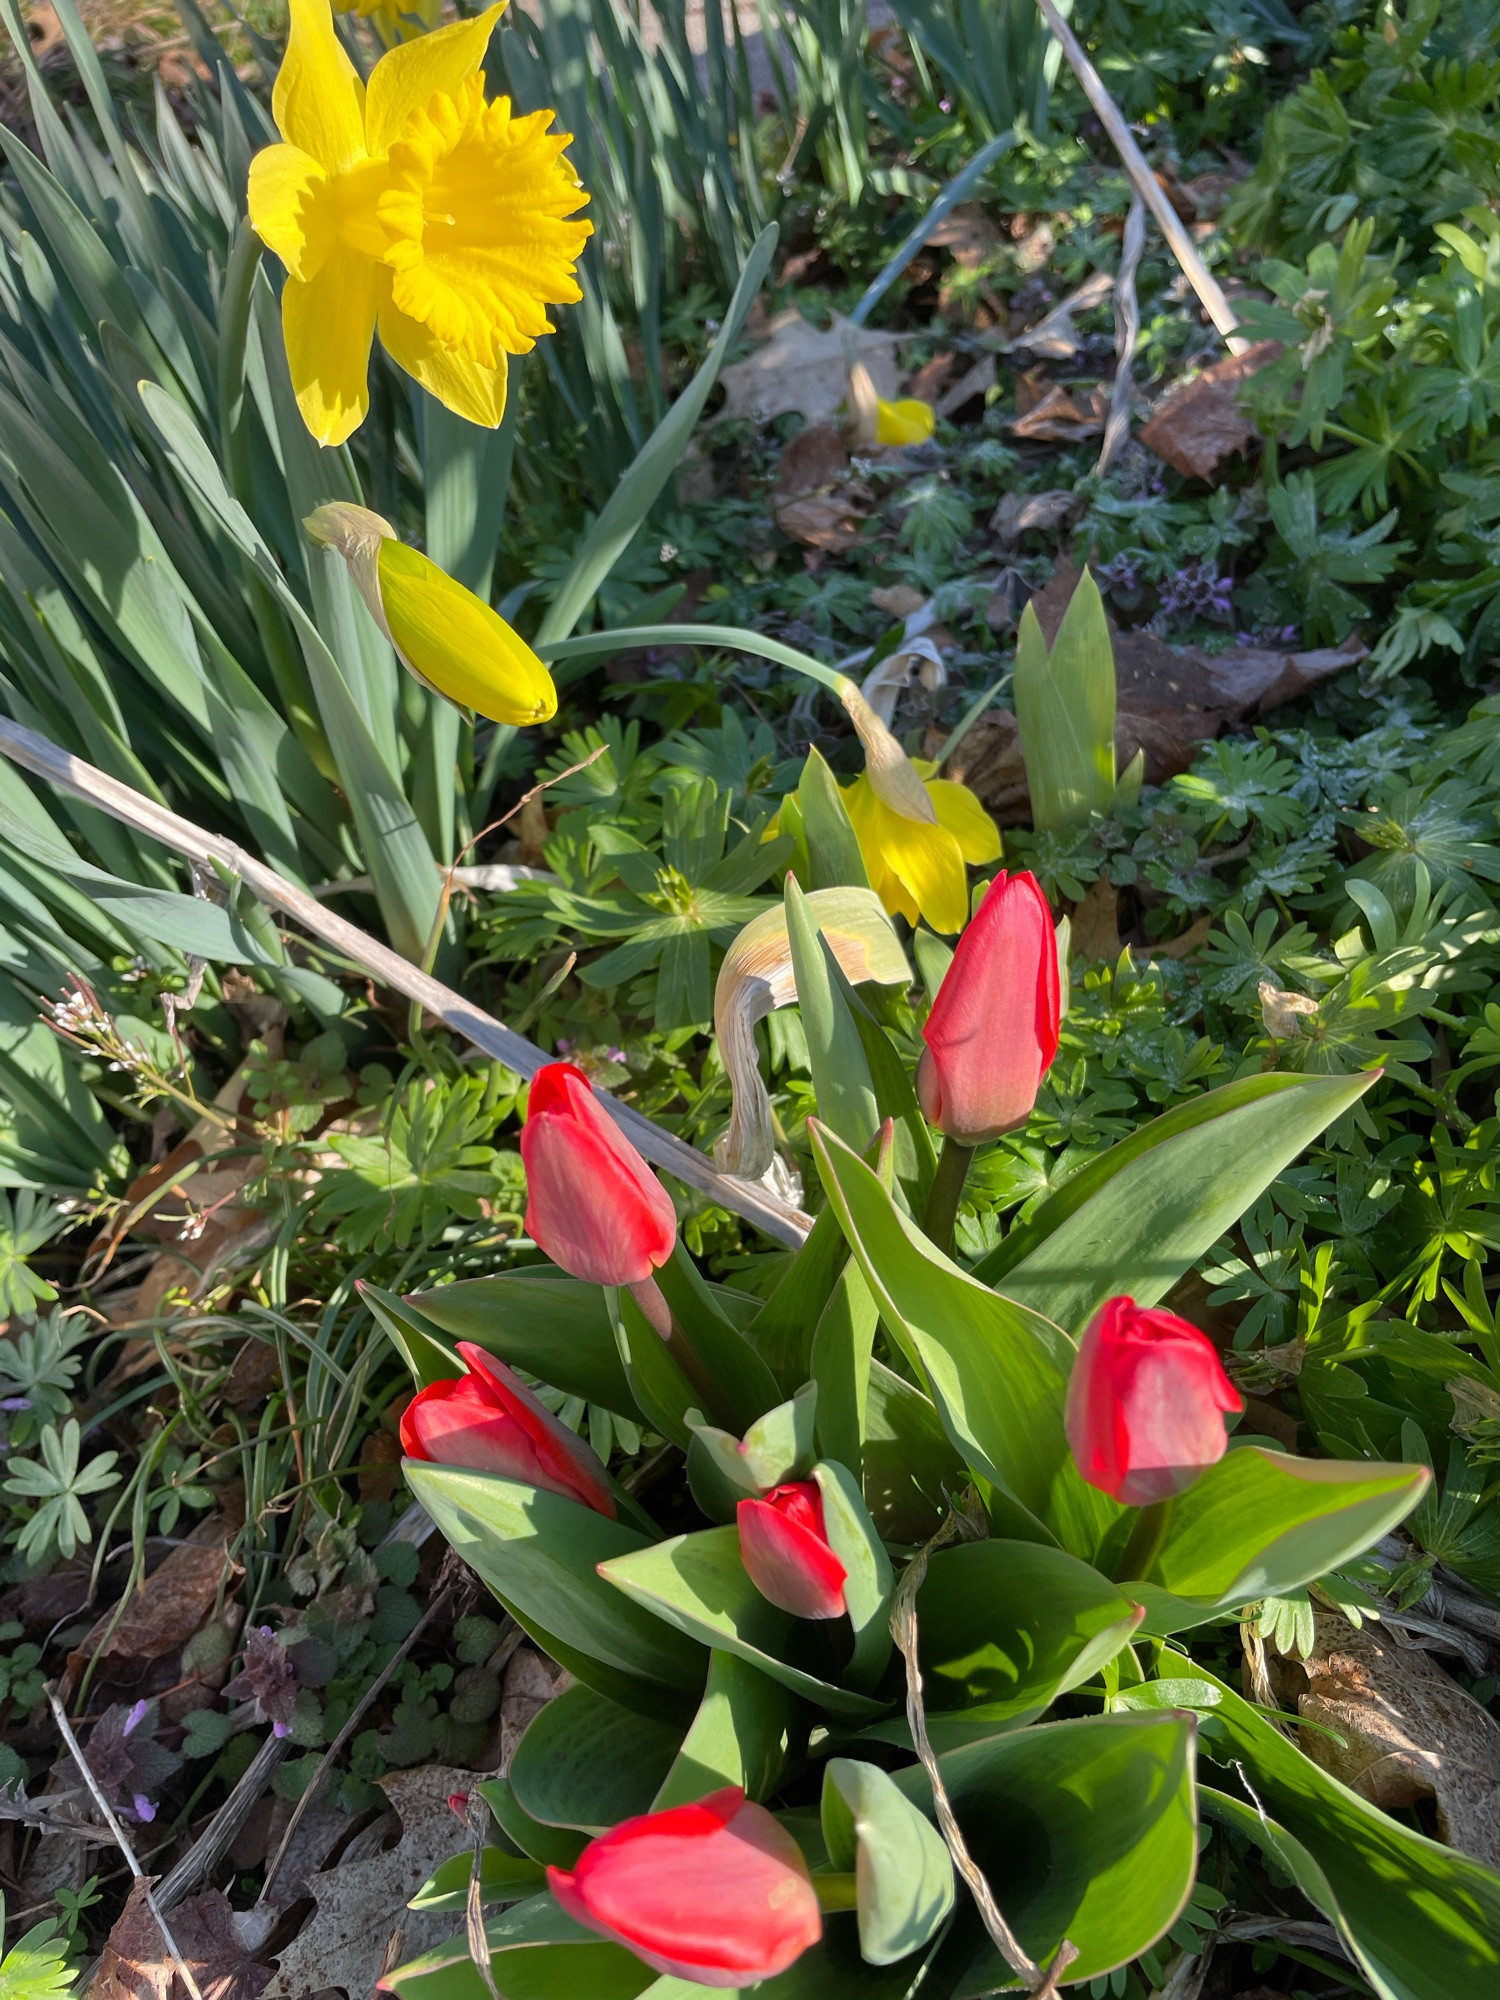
(779, 1219)
(1127, 333)
(1040, 1982)
(107, 1814)
(478, 1817)
(216, 1839)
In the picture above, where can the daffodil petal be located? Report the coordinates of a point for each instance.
(931, 870)
(957, 809)
(290, 208)
(328, 323)
(453, 641)
(319, 101)
(466, 387)
(909, 421)
(407, 77)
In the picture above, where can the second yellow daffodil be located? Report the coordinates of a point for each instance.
(917, 833)
(445, 635)
(415, 206)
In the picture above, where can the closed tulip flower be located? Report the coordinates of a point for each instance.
(592, 1203)
(716, 1892)
(784, 1547)
(489, 1421)
(446, 636)
(992, 1032)
(1146, 1404)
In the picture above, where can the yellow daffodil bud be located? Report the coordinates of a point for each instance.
(445, 635)
(909, 421)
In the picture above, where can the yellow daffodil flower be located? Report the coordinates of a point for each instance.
(910, 421)
(415, 206)
(916, 832)
(445, 635)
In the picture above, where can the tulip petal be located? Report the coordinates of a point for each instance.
(786, 1552)
(977, 835)
(289, 208)
(468, 388)
(406, 77)
(319, 101)
(592, 1203)
(329, 324)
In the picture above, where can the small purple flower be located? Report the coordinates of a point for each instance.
(15, 1403)
(280, 1729)
(614, 1055)
(135, 1718)
(564, 1046)
(145, 1810)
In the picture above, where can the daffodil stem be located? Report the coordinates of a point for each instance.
(1146, 1539)
(947, 1190)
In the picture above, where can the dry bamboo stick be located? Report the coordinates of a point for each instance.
(778, 1219)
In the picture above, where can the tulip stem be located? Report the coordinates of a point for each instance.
(947, 1189)
(652, 1301)
(836, 1892)
(1146, 1539)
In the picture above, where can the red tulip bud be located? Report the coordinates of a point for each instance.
(1146, 1403)
(592, 1203)
(992, 1032)
(784, 1547)
(715, 1892)
(489, 1421)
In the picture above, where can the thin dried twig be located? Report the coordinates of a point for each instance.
(439, 1598)
(1146, 185)
(107, 1814)
(477, 1815)
(779, 1219)
(1127, 333)
(216, 1839)
(1040, 1982)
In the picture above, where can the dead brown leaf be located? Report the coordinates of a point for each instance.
(1063, 417)
(136, 1964)
(1201, 424)
(1055, 336)
(531, 1681)
(968, 235)
(1095, 929)
(168, 1606)
(1410, 1732)
(1022, 513)
(899, 600)
(361, 1901)
(800, 368)
(976, 381)
(826, 521)
(813, 459)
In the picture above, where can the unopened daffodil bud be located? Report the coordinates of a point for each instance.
(445, 635)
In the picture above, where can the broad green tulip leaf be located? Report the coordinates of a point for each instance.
(835, 1969)
(537, 1952)
(421, 1345)
(904, 1877)
(555, 1327)
(544, 1846)
(997, 1371)
(1260, 1523)
(840, 1074)
(745, 1382)
(1007, 1627)
(748, 1731)
(540, 1553)
(909, 1464)
(634, 497)
(698, 1585)
(1090, 1827)
(503, 1878)
(723, 1470)
(586, 1762)
(661, 1391)
(1136, 1217)
(868, 1579)
(1423, 1919)
(841, 1354)
(1065, 708)
(896, 1099)
(832, 844)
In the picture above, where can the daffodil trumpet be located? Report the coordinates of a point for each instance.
(443, 634)
(415, 206)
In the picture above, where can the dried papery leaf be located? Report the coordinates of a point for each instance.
(1396, 1728)
(887, 766)
(756, 978)
(1200, 424)
(884, 684)
(1056, 336)
(800, 368)
(1283, 1013)
(355, 533)
(864, 406)
(137, 1965)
